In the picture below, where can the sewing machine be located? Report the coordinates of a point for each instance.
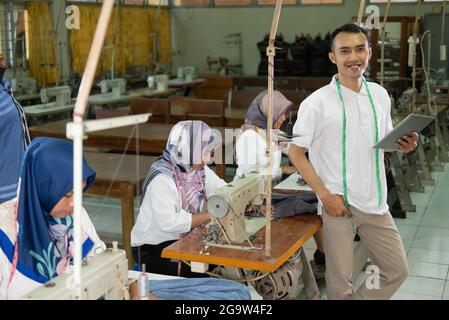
(116, 86)
(104, 277)
(222, 242)
(161, 82)
(23, 86)
(61, 93)
(57, 110)
(228, 207)
(190, 73)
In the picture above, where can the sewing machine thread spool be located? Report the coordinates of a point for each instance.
(143, 284)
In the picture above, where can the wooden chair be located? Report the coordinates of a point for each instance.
(159, 108)
(294, 96)
(106, 113)
(209, 111)
(242, 99)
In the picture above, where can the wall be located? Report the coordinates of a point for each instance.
(199, 32)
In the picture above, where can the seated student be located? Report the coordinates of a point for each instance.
(251, 156)
(36, 228)
(174, 195)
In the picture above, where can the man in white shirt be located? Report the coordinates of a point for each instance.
(339, 124)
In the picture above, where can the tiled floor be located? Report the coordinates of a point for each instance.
(425, 235)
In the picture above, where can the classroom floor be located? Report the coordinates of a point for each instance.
(425, 234)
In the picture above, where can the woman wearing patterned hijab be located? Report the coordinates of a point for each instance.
(36, 228)
(175, 193)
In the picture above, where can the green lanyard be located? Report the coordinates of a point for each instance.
(345, 186)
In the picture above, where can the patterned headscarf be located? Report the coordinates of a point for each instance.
(258, 110)
(42, 247)
(189, 143)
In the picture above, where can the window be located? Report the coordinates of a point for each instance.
(14, 36)
(322, 1)
(232, 2)
(191, 2)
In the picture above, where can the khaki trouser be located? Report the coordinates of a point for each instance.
(381, 238)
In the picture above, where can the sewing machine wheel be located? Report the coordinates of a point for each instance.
(280, 284)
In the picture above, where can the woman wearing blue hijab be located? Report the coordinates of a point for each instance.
(36, 228)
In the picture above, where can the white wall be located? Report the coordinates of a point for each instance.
(199, 32)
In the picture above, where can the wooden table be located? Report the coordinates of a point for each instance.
(234, 118)
(120, 175)
(44, 109)
(108, 98)
(22, 98)
(186, 85)
(150, 93)
(288, 236)
(152, 138)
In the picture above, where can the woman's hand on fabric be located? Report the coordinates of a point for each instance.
(134, 293)
(261, 208)
(335, 206)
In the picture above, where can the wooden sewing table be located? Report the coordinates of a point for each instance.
(288, 235)
(152, 138)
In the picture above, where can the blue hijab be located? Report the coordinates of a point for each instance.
(46, 176)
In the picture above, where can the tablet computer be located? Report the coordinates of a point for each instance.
(412, 123)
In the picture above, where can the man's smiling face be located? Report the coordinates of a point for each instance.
(351, 53)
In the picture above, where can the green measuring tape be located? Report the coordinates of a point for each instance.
(345, 186)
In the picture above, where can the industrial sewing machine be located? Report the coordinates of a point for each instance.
(23, 86)
(61, 93)
(190, 73)
(104, 277)
(116, 86)
(21, 82)
(228, 230)
(161, 82)
(60, 109)
(228, 207)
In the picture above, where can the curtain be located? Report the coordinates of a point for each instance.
(129, 31)
(42, 61)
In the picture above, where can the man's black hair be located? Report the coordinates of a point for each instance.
(350, 28)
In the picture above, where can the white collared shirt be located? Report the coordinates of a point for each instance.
(161, 217)
(250, 151)
(320, 126)
(20, 284)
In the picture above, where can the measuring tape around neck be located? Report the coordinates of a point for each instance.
(373, 108)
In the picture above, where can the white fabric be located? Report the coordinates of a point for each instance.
(21, 285)
(319, 125)
(161, 217)
(251, 156)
